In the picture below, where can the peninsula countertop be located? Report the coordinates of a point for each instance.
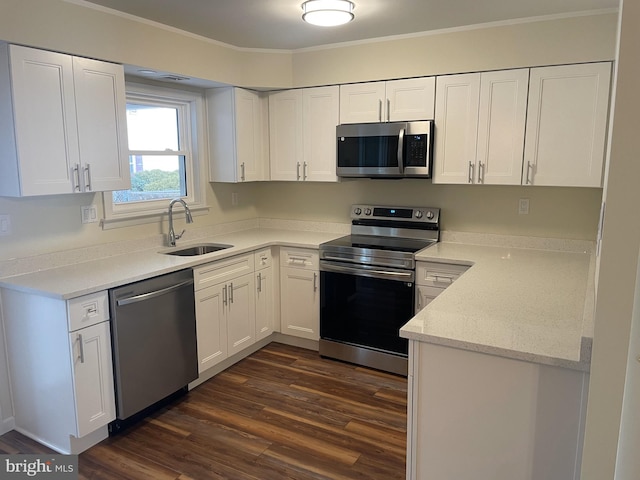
(527, 304)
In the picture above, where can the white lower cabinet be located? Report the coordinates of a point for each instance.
(432, 278)
(477, 416)
(60, 364)
(300, 292)
(225, 308)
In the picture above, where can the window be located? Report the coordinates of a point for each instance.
(163, 127)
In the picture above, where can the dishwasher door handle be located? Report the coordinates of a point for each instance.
(147, 296)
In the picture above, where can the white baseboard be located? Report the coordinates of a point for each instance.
(7, 424)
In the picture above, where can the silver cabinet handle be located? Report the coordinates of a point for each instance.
(529, 181)
(304, 171)
(419, 301)
(315, 282)
(298, 171)
(471, 172)
(242, 171)
(87, 175)
(388, 110)
(76, 174)
(481, 167)
(81, 343)
(231, 293)
(380, 110)
(224, 295)
(260, 282)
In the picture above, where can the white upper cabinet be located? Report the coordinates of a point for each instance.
(238, 135)
(63, 129)
(320, 118)
(391, 101)
(480, 126)
(566, 125)
(302, 133)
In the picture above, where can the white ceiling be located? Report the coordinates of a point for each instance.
(277, 24)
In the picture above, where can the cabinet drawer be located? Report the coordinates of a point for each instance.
(263, 258)
(300, 258)
(438, 274)
(88, 310)
(222, 271)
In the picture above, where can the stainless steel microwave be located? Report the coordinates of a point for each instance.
(392, 150)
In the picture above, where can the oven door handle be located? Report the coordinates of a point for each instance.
(369, 272)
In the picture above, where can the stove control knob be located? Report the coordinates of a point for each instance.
(367, 211)
(357, 211)
(430, 215)
(418, 214)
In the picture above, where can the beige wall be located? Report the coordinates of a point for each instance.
(554, 212)
(572, 40)
(618, 267)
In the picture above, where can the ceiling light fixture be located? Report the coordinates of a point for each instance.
(327, 13)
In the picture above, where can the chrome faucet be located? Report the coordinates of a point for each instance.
(172, 234)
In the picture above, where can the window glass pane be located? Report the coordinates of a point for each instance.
(154, 177)
(152, 127)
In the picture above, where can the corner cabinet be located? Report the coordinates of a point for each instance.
(302, 134)
(265, 287)
(390, 101)
(63, 126)
(238, 135)
(300, 293)
(60, 363)
(567, 125)
(480, 127)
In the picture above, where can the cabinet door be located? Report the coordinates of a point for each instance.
(425, 295)
(45, 120)
(567, 125)
(241, 314)
(285, 135)
(410, 99)
(300, 302)
(102, 125)
(249, 139)
(92, 377)
(362, 102)
(320, 115)
(456, 128)
(265, 290)
(211, 326)
(501, 122)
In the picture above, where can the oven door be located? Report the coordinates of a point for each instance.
(366, 306)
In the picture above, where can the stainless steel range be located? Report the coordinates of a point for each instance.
(367, 284)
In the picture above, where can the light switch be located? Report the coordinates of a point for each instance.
(89, 214)
(523, 206)
(5, 225)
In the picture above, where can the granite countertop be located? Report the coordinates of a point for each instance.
(526, 304)
(91, 276)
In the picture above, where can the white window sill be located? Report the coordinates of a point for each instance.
(129, 219)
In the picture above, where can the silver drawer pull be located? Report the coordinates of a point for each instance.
(315, 282)
(231, 292)
(260, 282)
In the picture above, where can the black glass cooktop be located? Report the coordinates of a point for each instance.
(374, 242)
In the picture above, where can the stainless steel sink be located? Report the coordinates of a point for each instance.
(198, 249)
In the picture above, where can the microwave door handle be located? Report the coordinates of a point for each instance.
(401, 150)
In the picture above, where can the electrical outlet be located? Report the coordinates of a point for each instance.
(234, 199)
(89, 214)
(523, 206)
(5, 225)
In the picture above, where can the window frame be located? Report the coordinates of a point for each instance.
(191, 124)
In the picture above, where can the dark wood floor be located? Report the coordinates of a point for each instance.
(282, 413)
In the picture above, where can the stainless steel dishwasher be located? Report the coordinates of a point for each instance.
(154, 341)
